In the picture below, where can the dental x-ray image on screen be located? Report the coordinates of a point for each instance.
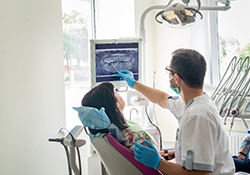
(110, 56)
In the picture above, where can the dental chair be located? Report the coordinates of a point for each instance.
(118, 159)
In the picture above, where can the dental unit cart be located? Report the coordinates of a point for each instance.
(71, 144)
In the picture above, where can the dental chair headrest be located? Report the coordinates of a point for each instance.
(93, 118)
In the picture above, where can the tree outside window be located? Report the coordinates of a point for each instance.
(234, 36)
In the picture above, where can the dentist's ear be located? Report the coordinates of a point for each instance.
(176, 78)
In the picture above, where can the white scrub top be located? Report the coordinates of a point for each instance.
(201, 142)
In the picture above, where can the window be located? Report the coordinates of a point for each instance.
(234, 36)
(112, 19)
(77, 20)
(115, 19)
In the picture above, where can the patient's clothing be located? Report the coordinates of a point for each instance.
(135, 133)
(243, 164)
(201, 142)
(130, 135)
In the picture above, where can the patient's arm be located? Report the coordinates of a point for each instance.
(241, 153)
(167, 154)
(245, 147)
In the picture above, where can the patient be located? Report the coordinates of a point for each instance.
(125, 132)
(242, 161)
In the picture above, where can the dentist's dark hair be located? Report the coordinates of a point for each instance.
(103, 96)
(190, 65)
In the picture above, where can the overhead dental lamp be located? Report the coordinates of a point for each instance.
(181, 14)
(178, 14)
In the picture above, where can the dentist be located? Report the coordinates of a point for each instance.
(201, 146)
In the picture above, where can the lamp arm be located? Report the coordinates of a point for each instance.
(143, 16)
(216, 8)
(162, 7)
(199, 4)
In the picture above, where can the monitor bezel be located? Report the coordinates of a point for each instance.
(120, 83)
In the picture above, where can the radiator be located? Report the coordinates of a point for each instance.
(235, 139)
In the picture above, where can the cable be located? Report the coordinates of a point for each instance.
(78, 154)
(155, 127)
(60, 140)
(218, 88)
(242, 93)
(223, 92)
(67, 154)
(231, 93)
(79, 161)
(226, 89)
(236, 85)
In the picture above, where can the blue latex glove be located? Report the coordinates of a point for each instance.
(127, 76)
(147, 155)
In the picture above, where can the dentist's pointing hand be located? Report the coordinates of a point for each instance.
(127, 76)
(147, 155)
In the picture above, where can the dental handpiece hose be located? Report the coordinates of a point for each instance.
(60, 140)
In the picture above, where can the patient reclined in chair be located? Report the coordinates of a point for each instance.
(117, 159)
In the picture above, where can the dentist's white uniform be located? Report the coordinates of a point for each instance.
(201, 142)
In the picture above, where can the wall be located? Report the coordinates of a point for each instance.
(161, 41)
(31, 87)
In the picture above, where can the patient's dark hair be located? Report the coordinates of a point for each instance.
(103, 96)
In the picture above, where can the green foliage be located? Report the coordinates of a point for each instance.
(229, 45)
(75, 38)
(223, 47)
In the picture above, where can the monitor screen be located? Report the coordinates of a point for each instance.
(110, 56)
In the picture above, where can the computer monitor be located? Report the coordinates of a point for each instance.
(110, 56)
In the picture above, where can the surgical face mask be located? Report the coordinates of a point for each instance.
(175, 89)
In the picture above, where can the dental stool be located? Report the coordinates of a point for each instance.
(118, 159)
